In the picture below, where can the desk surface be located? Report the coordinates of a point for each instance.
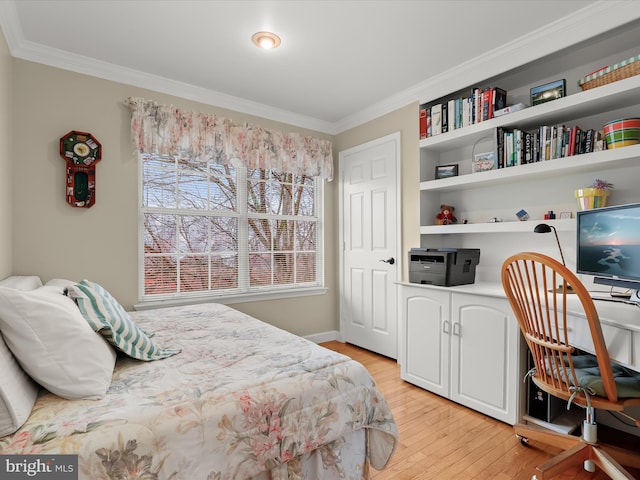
(618, 314)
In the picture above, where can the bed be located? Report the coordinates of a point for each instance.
(236, 398)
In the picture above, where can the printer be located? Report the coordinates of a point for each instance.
(443, 266)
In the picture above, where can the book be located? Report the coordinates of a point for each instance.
(528, 148)
(589, 141)
(509, 109)
(423, 122)
(451, 112)
(509, 150)
(459, 112)
(573, 139)
(518, 148)
(444, 118)
(477, 106)
(487, 104)
(498, 140)
(499, 99)
(436, 119)
(467, 111)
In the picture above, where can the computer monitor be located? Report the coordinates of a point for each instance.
(608, 246)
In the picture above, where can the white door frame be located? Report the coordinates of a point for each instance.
(341, 240)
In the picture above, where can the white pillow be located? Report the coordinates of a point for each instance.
(53, 343)
(60, 282)
(22, 282)
(17, 392)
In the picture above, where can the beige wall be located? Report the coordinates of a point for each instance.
(54, 240)
(404, 120)
(6, 263)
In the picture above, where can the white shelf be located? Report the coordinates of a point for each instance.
(601, 99)
(614, 158)
(565, 423)
(565, 225)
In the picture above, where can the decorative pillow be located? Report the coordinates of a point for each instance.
(22, 282)
(47, 334)
(17, 392)
(105, 315)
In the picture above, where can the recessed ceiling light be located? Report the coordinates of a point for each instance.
(266, 40)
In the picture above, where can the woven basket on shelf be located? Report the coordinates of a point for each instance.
(613, 73)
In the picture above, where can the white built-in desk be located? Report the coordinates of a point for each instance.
(450, 337)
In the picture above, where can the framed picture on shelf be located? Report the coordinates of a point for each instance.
(446, 171)
(483, 162)
(548, 91)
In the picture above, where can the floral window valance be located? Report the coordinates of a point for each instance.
(167, 130)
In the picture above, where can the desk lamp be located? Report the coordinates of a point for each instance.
(544, 228)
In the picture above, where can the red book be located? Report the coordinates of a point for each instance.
(573, 140)
(423, 123)
(487, 104)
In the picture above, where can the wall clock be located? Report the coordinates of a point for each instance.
(82, 152)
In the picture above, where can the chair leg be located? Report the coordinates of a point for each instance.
(609, 466)
(622, 455)
(573, 457)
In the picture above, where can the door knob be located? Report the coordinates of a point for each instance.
(390, 261)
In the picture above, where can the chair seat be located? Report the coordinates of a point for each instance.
(588, 374)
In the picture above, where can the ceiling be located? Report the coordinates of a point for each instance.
(341, 62)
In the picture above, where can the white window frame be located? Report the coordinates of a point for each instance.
(230, 296)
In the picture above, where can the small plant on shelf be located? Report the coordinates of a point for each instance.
(601, 185)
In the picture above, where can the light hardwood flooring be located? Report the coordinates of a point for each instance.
(441, 440)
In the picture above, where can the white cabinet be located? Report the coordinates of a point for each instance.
(462, 346)
(426, 338)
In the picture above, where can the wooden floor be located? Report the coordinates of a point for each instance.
(440, 440)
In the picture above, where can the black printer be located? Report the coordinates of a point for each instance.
(443, 266)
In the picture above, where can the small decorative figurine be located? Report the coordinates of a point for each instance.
(446, 216)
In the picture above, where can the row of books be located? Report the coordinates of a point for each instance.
(518, 147)
(479, 106)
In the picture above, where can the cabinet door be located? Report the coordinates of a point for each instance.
(485, 356)
(425, 338)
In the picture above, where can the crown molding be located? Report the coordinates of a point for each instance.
(602, 16)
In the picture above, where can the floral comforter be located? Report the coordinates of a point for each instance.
(243, 399)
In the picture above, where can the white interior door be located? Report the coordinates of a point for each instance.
(370, 236)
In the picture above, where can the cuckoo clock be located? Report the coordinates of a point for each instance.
(82, 152)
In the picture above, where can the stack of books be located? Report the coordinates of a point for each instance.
(547, 142)
(479, 106)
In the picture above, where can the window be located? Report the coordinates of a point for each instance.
(210, 229)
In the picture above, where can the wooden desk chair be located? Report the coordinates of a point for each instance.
(531, 282)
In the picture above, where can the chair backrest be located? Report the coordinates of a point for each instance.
(537, 288)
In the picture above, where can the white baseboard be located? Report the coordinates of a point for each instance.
(325, 337)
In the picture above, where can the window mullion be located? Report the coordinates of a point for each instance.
(243, 229)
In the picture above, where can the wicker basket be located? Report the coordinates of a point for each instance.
(627, 68)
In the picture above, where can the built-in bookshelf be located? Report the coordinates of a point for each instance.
(591, 107)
